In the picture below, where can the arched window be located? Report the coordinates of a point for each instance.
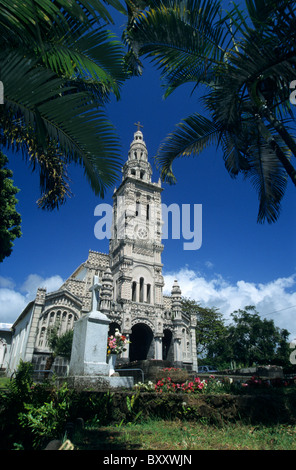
(134, 291)
(41, 337)
(141, 289)
(137, 208)
(148, 293)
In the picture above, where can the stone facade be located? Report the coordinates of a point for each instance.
(131, 279)
(5, 343)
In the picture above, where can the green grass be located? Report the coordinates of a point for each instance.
(4, 381)
(179, 435)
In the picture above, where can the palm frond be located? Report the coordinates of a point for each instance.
(269, 179)
(68, 118)
(191, 136)
(66, 41)
(184, 40)
(59, 65)
(96, 56)
(247, 61)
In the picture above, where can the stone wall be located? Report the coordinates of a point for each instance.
(259, 408)
(268, 371)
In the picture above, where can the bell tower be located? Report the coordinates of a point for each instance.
(135, 245)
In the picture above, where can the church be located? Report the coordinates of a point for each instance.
(131, 292)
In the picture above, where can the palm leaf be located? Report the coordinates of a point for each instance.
(269, 179)
(70, 45)
(81, 132)
(95, 55)
(183, 39)
(59, 68)
(191, 136)
(247, 64)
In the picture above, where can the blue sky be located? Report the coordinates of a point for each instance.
(239, 263)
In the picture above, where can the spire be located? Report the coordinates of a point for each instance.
(106, 290)
(137, 165)
(176, 301)
(138, 150)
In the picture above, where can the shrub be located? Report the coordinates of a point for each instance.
(20, 386)
(47, 421)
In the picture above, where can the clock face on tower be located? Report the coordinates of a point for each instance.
(141, 233)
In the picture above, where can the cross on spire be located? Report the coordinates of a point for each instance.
(138, 124)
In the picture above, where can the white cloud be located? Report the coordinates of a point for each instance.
(209, 264)
(34, 281)
(275, 300)
(13, 301)
(6, 282)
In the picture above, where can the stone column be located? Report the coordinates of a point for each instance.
(89, 347)
(126, 331)
(177, 320)
(33, 327)
(88, 364)
(158, 347)
(193, 343)
(178, 356)
(125, 354)
(3, 347)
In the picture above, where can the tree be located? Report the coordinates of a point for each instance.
(210, 326)
(247, 341)
(59, 66)
(242, 63)
(60, 345)
(10, 219)
(255, 340)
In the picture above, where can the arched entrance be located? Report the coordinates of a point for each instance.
(142, 343)
(167, 346)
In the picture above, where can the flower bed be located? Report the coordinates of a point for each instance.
(257, 382)
(169, 383)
